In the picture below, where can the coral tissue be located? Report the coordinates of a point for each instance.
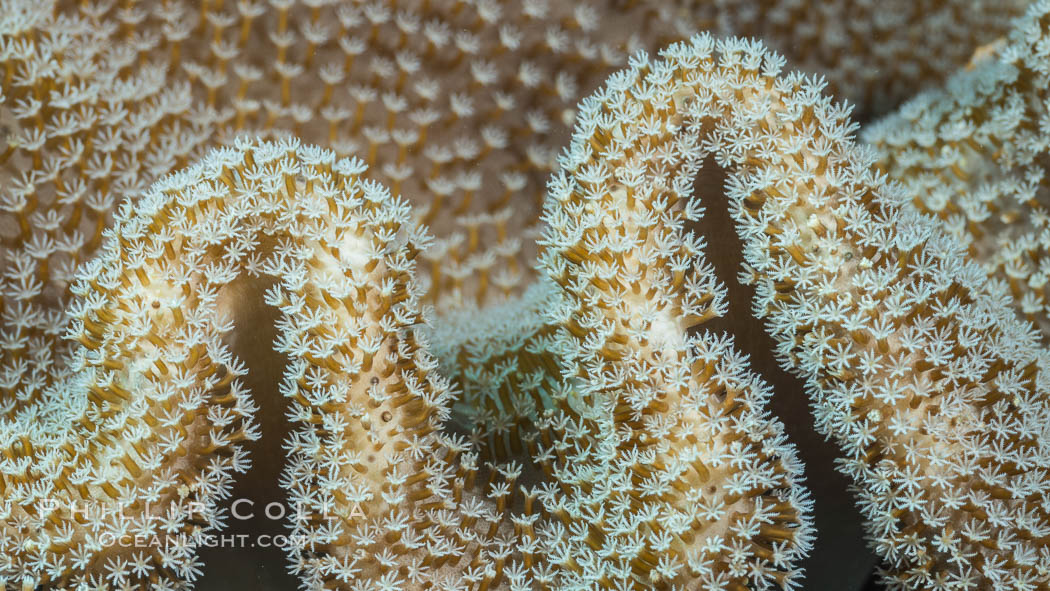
(530, 400)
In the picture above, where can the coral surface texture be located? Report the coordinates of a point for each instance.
(458, 295)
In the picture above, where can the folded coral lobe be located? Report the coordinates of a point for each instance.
(155, 408)
(659, 427)
(935, 393)
(973, 153)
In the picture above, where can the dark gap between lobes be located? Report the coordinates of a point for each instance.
(840, 558)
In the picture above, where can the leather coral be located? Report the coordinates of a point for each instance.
(611, 440)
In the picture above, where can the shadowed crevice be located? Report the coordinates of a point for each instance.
(840, 559)
(245, 564)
